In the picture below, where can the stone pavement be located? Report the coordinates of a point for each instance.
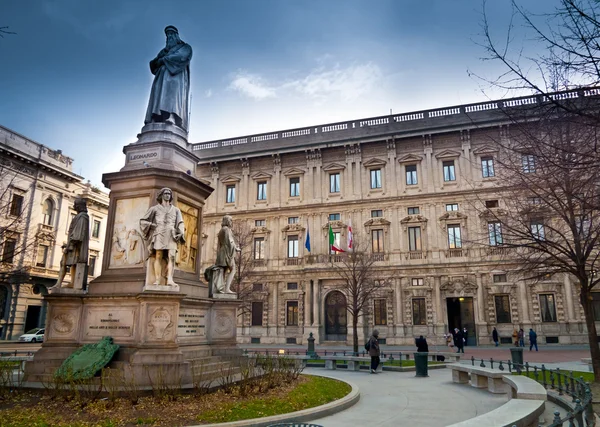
(399, 398)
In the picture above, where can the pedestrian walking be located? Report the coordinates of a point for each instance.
(532, 339)
(459, 341)
(465, 336)
(495, 336)
(422, 346)
(373, 347)
(521, 338)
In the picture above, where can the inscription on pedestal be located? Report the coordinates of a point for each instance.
(102, 321)
(191, 323)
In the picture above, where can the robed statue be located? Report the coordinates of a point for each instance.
(221, 275)
(162, 227)
(75, 252)
(169, 99)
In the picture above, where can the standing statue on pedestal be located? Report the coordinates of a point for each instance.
(162, 227)
(75, 253)
(221, 275)
(169, 99)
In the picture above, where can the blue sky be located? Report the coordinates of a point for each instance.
(75, 76)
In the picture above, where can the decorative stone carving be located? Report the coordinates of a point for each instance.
(128, 246)
(414, 220)
(459, 287)
(63, 323)
(224, 326)
(292, 228)
(160, 325)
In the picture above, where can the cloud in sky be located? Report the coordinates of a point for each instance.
(345, 83)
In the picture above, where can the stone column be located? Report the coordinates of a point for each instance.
(276, 307)
(438, 299)
(245, 186)
(480, 303)
(569, 299)
(524, 302)
(391, 181)
(316, 302)
(427, 174)
(307, 302)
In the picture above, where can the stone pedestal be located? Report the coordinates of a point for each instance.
(161, 330)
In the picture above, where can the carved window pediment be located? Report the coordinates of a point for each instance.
(459, 287)
(447, 154)
(453, 216)
(260, 230)
(261, 175)
(334, 167)
(334, 224)
(230, 179)
(485, 150)
(414, 221)
(294, 172)
(292, 228)
(410, 158)
(501, 289)
(377, 222)
(374, 163)
(494, 213)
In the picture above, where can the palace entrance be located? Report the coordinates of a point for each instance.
(336, 319)
(461, 315)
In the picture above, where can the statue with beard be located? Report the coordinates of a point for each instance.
(169, 99)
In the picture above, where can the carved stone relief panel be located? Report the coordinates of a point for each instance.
(128, 247)
(187, 256)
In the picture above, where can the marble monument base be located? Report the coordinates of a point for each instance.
(162, 335)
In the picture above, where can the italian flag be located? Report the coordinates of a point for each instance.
(335, 246)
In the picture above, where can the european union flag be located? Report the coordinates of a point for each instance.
(307, 243)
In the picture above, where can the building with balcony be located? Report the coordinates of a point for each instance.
(415, 186)
(37, 190)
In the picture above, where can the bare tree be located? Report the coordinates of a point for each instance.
(245, 275)
(361, 280)
(4, 30)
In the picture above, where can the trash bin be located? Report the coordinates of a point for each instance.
(516, 355)
(421, 364)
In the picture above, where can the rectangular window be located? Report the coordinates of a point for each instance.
(42, 255)
(375, 178)
(257, 313)
(417, 281)
(261, 190)
(257, 287)
(414, 239)
(294, 187)
(293, 220)
(259, 248)
(96, 229)
(380, 311)
(335, 217)
(547, 308)
(334, 183)
(487, 167)
(292, 247)
(377, 213)
(292, 313)
(411, 174)
(377, 236)
(502, 303)
(8, 251)
(535, 201)
(92, 265)
(491, 204)
(231, 194)
(454, 240)
(16, 205)
(596, 305)
(495, 233)
(413, 210)
(500, 278)
(528, 162)
(451, 207)
(449, 174)
(537, 230)
(419, 311)
(292, 286)
(336, 238)
(260, 223)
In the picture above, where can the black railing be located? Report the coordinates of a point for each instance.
(563, 383)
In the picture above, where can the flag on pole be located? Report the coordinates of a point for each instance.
(307, 243)
(333, 244)
(350, 242)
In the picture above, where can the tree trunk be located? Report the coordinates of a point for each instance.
(588, 311)
(355, 335)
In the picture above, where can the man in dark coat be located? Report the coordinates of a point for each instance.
(374, 352)
(532, 339)
(422, 346)
(459, 341)
(495, 336)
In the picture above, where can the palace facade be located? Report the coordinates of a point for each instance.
(413, 186)
(37, 190)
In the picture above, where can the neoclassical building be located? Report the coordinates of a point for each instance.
(37, 190)
(416, 187)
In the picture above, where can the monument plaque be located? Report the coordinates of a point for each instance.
(192, 323)
(103, 321)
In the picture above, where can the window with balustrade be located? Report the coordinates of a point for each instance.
(454, 239)
(502, 303)
(292, 247)
(47, 212)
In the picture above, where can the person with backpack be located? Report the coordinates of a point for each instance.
(532, 339)
(372, 346)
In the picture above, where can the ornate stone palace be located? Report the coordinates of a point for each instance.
(37, 189)
(411, 184)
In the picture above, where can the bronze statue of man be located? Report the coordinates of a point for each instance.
(75, 253)
(169, 99)
(162, 227)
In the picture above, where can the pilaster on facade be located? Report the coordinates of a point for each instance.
(429, 179)
(391, 169)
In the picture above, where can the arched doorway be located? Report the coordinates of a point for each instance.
(336, 319)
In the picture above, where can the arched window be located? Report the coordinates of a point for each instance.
(47, 211)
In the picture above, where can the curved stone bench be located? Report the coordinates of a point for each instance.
(480, 377)
(525, 388)
(519, 412)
